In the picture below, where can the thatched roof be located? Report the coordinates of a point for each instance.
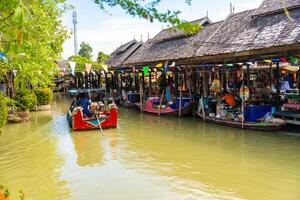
(238, 33)
(242, 33)
(273, 6)
(174, 33)
(167, 44)
(120, 55)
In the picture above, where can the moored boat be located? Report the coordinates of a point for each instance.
(259, 126)
(178, 108)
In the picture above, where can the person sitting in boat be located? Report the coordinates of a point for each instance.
(84, 102)
(228, 98)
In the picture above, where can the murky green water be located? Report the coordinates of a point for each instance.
(147, 157)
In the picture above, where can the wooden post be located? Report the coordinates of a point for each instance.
(176, 81)
(277, 98)
(180, 100)
(243, 99)
(150, 83)
(161, 100)
(271, 75)
(248, 80)
(204, 94)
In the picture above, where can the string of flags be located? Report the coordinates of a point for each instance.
(88, 67)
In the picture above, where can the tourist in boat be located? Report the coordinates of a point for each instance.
(84, 102)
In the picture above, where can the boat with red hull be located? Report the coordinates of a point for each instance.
(107, 119)
(151, 106)
(101, 116)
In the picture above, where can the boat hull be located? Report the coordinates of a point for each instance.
(250, 126)
(186, 110)
(78, 123)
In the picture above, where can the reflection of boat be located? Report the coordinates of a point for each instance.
(154, 106)
(261, 126)
(131, 99)
(88, 148)
(99, 118)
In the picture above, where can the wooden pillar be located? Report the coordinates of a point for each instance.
(224, 73)
(277, 97)
(298, 79)
(106, 84)
(271, 75)
(176, 81)
(204, 81)
(150, 82)
(248, 81)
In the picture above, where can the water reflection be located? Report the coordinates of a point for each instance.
(88, 148)
(147, 157)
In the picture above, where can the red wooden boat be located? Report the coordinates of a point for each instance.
(99, 119)
(151, 106)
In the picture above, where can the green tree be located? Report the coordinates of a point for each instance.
(32, 35)
(149, 11)
(102, 57)
(85, 50)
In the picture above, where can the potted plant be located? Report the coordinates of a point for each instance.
(44, 97)
(25, 100)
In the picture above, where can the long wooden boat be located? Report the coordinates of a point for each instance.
(169, 111)
(292, 118)
(106, 120)
(100, 119)
(259, 126)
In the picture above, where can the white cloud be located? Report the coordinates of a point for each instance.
(111, 33)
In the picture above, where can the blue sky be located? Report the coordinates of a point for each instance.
(105, 31)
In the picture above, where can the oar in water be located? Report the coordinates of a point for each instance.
(99, 124)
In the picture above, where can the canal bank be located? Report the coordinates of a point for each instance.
(146, 157)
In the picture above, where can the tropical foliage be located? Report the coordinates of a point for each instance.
(25, 100)
(85, 50)
(31, 36)
(43, 95)
(149, 10)
(102, 57)
(3, 109)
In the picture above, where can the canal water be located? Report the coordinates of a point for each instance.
(146, 157)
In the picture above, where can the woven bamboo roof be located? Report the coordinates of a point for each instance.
(239, 32)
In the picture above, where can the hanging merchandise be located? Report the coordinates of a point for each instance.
(3, 56)
(294, 60)
(216, 86)
(159, 65)
(229, 65)
(146, 70)
(268, 61)
(283, 59)
(173, 64)
(88, 67)
(244, 92)
(72, 66)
